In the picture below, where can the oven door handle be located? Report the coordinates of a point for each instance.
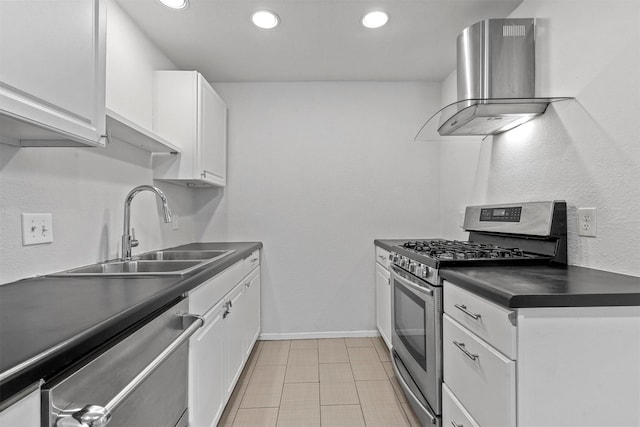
(99, 416)
(411, 285)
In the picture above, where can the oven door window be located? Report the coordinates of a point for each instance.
(410, 322)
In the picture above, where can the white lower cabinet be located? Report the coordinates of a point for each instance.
(538, 367)
(453, 413)
(383, 303)
(206, 370)
(230, 304)
(481, 377)
(24, 413)
(235, 320)
(252, 302)
(383, 295)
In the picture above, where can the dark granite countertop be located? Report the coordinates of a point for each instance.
(71, 316)
(541, 286)
(547, 286)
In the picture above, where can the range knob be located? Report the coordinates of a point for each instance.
(425, 271)
(412, 267)
(420, 268)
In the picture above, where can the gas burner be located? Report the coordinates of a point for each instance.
(462, 250)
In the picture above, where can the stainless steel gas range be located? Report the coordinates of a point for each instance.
(507, 234)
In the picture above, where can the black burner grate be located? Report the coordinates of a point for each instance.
(463, 250)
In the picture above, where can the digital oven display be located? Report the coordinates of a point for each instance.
(501, 214)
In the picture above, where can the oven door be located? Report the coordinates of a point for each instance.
(416, 336)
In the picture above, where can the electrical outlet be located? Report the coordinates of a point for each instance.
(587, 225)
(175, 222)
(37, 228)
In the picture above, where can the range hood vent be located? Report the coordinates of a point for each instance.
(496, 81)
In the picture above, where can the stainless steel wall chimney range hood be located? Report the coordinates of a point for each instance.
(496, 81)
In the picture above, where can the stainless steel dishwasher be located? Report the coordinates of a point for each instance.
(140, 380)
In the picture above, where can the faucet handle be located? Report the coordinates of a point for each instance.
(134, 242)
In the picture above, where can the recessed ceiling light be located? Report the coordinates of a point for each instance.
(175, 4)
(375, 19)
(265, 19)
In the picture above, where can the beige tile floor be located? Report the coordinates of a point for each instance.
(319, 383)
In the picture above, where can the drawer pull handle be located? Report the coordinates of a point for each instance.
(462, 347)
(455, 424)
(463, 308)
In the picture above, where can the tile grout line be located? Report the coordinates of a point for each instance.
(250, 374)
(356, 386)
(283, 383)
(319, 403)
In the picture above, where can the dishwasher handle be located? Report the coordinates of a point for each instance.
(99, 416)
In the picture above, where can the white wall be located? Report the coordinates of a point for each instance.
(458, 159)
(131, 62)
(585, 151)
(317, 171)
(85, 188)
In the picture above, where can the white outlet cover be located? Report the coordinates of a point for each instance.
(587, 222)
(37, 228)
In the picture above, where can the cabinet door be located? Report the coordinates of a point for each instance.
(453, 413)
(482, 378)
(252, 298)
(191, 115)
(52, 72)
(383, 303)
(206, 370)
(235, 330)
(212, 134)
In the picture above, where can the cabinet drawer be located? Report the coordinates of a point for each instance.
(481, 377)
(252, 261)
(382, 256)
(453, 413)
(205, 296)
(487, 320)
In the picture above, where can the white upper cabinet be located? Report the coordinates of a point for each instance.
(189, 113)
(52, 72)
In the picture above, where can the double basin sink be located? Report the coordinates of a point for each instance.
(157, 263)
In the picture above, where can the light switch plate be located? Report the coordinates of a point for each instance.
(37, 228)
(587, 224)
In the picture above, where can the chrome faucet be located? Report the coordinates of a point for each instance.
(129, 236)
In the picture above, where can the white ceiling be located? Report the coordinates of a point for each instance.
(316, 40)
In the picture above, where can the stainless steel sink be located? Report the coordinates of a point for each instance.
(157, 263)
(182, 255)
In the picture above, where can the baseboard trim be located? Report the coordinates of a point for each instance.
(312, 335)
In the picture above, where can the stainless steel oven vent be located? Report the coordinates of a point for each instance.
(495, 81)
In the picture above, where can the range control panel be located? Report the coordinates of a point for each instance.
(511, 214)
